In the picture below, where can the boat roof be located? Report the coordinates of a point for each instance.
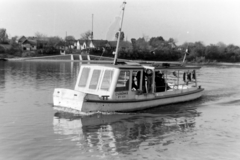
(156, 66)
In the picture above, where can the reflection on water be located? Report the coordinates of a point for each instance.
(124, 133)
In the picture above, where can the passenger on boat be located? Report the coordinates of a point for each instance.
(189, 76)
(194, 74)
(160, 82)
(134, 86)
(143, 80)
(149, 76)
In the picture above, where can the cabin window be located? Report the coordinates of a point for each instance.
(95, 78)
(123, 81)
(84, 77)
(107, 80)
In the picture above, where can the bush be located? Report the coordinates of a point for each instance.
(29, 54)
(2, 50)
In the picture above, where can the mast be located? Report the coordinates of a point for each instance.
(119, 35)
(92, 28)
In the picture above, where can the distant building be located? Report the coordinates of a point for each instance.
(32, 43)
(70, 44)
(98, 44)
(29, 45)
(42, 43)
(21, 39)
(60, 45)
(81, 44)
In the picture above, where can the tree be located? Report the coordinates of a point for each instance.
(86, 35)
(222, 51)
(3, 35)
(39, 35)
(133, 40)
(157, 42)
(54, 40)
(172, 43)
(142, 44)
(232, 53)
(15, 47)
(212, 52)
(121, 37)
(69, 38)
(199, 48)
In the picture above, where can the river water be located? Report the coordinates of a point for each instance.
(208, 128)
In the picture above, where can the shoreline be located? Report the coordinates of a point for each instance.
(70, 58)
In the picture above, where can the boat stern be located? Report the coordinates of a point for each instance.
(68, 99)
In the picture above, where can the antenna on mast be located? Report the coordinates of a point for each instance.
(119, 34)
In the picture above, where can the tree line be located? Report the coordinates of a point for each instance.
(158, 49)
(144, 48)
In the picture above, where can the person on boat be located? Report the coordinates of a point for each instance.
(194, 75)
(149, 76)
(189, 75)
(134, 85)
(143, 81)
(185, 77)
(160, 82)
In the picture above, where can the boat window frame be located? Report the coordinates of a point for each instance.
(86, 80)
(98, 79)
(102, 80)
(122, 89)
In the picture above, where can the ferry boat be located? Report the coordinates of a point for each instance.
(129, 86)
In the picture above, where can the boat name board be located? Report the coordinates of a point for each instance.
(121, 95)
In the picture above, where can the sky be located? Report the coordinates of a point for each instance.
(208, 21)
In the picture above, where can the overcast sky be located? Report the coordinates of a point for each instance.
(209, 21)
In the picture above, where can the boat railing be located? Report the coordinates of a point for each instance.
(184, 85)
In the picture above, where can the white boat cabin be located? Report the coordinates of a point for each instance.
(130, 82)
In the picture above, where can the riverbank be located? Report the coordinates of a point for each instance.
(66, 58)
(95, 59)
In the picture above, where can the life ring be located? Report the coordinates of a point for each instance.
(175, 87)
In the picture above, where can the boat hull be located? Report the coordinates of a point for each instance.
(83, 105)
